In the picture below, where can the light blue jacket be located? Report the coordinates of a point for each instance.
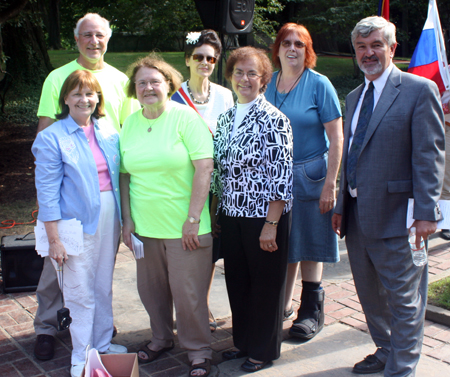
(66, 173)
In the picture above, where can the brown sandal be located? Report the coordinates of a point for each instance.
(151, 355)
(206, 366)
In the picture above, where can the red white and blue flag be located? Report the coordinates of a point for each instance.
(383, 9)
(429, 59)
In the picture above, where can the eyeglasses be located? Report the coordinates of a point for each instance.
(90, 35)
(143, 83)
(251, 75)
(200, 57)
(298, 44)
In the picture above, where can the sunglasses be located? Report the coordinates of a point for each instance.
(298, 44)
(200, 57)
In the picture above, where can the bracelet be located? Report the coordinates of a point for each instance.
(273, 223)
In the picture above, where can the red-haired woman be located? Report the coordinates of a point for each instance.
(310, 102)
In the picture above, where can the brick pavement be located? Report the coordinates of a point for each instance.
(341, 306)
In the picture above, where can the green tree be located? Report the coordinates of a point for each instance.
(24, 46)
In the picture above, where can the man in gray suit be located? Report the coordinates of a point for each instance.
(393, 151)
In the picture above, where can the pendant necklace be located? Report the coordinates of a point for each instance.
(192, 96)
(292, 87)
(149, 129)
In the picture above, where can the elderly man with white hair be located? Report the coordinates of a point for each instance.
(92, 34)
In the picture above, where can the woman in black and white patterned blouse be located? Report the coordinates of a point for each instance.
(253, 186)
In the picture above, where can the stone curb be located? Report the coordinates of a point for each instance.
(438, 315)
(434, 313)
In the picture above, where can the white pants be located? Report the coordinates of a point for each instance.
(88, 284)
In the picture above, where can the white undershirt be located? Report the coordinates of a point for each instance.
(379, 85)
(241, 111)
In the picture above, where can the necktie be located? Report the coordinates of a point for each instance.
(360, 133)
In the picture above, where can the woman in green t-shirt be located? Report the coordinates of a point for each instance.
(166, 164)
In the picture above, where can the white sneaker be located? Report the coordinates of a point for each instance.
(76, 370)
(115, 348)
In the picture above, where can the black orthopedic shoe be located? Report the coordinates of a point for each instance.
(310, 315)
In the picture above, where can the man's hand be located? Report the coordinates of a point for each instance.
(424, 229)
(336, 221)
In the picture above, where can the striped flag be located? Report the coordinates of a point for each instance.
(383, 9)
(430, 59)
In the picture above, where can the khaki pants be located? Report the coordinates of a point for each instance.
(169, 275)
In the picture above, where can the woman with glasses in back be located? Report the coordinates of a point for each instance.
(310, 102)
(253, 184)
(202, 51)
(165, 174)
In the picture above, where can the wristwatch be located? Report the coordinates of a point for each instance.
(274, 223)
(193, 220)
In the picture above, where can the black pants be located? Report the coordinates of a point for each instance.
(256, 281)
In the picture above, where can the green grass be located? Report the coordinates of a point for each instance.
(439, 293)
(119, 60)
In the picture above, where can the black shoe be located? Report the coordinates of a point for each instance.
(233, 355)
(251, 367)
(44, 348)
(310, 315)
(370, 364)
(445, 234)
(114, 331)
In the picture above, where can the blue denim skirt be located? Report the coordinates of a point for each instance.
(312, 237)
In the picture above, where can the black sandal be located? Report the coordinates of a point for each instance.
(151, 355)
(250, 366)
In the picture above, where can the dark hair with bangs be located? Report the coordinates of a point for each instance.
(80, 79)
(248, 52)
(305, 37)
(153, 60)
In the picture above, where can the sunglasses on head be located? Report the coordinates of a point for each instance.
(297, 44)
(200, 57)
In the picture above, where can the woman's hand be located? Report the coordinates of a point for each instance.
(327, 198)
(57, 251)
(215, 228)
(267, 239)
(127, 230)
(189, 238)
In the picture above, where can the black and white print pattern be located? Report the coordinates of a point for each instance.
(254, 167)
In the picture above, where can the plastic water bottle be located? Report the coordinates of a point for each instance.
(419, 255)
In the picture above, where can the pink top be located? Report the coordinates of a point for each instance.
(102, 168)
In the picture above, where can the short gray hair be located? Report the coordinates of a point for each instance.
(91, 16)
(367, 25)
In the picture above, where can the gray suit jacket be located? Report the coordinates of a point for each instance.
(402, 157)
